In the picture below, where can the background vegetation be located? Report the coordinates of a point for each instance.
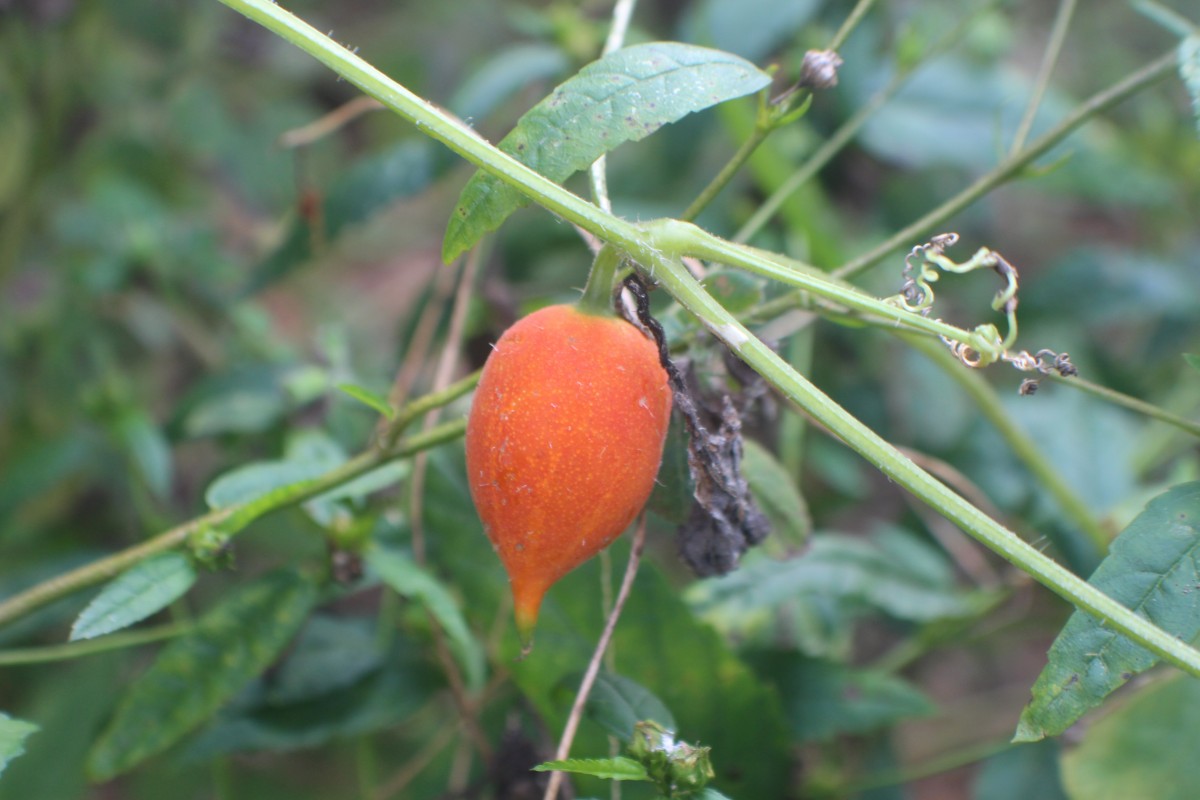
(189, 270)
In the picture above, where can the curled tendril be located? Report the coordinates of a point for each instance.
(922, 267)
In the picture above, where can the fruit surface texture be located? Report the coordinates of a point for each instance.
(564, 441)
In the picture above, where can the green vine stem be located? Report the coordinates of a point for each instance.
(227, 521)
(114, 641)
(1131, 403)
(1015, 163)
(679, 282)
(651, 243)
(1023, 447)
(770, 117)
(848, 129)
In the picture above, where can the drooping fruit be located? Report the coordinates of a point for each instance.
(564, 440)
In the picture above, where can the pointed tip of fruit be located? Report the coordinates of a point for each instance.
(527, 602)
(526, 622)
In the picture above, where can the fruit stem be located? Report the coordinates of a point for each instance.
(598, 293)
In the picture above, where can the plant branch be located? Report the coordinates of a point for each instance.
(892, 463)
(1018, 441)
(1058, 34)
(651, 243)
(103, 644)
(848, 129)
(769, 118)
(621, 14)
(1008, 168)
(229, 520)
(1131, 403)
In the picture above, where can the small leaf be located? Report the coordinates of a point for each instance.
(148, 449)
(368, 398)
(613, 769)
(135, 594)
(625, 96)
(776, 493)
(197, 673)
(13, 733)
(404, 576)
(618, 703)
(1145, 748)
(1151, 568)
(253, 481)
(1193, 360)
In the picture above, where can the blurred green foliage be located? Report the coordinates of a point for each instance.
(181, 293)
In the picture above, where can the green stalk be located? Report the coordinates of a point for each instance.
(597, 297)
(113, 641)
(228, 520)
(1018, 441)
(679, 282)
(1009, 168)
(658, 247)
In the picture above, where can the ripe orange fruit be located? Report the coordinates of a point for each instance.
(564, 440)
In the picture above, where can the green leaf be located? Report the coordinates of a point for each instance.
(823, 699)
(329, 654)
(503, 75)
(197, 673)
(1027, 771)
(13, 733)
(1145, 748)
(368, 398)
(613, 769)
(406, 578)
(1193, 360)
(1151, 568)
(673, 491)
(253, 481)
(876, 574)
(148, 449)
(1189, 71)
(715, 698)
(312, 710)
(625, 96)
(776, 493)
(618, 703)
(135, 594)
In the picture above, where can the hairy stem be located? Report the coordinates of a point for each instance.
(658, 246)
(1018, 441)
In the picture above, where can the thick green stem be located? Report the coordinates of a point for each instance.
(598, 292)
(1018, 441)
(899, 468)
(658, 247)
